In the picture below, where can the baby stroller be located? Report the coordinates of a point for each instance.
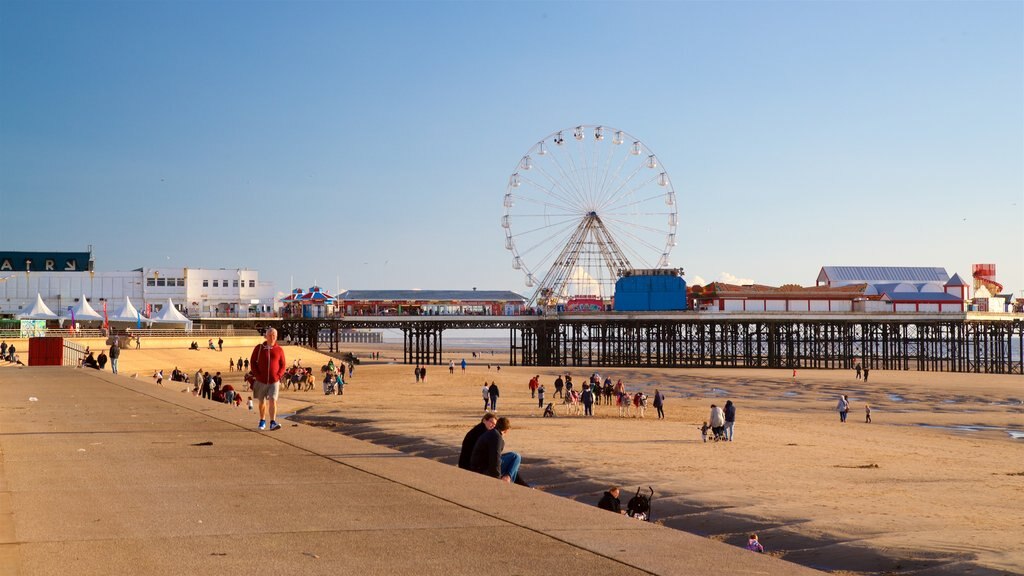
(639, 506)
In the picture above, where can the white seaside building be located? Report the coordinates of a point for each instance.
(197, 292)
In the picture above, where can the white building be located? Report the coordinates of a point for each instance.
(198, 292)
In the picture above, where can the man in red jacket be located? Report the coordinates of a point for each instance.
(268, 366)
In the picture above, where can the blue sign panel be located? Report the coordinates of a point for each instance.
(45, 262)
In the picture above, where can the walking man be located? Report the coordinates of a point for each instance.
(268, 366)
(493, 392)
(730, 419)
(659, 403)
(115, 353)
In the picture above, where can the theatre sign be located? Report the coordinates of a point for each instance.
(45, 261)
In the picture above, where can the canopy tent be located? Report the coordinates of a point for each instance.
(38, 311)
(315, 295)
(127, 313)
(83, 312)
(170, 315)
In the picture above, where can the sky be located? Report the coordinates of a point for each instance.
(368, 145)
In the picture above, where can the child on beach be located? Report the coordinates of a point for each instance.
(704, 431)
(753, 545)
(867, 414)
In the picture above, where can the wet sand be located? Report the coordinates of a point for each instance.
(933, 486)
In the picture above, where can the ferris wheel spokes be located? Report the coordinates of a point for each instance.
(580, 210)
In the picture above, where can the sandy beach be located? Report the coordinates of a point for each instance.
(932, 486)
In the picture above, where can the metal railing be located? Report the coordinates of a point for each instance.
(195, 332)
(73, 354)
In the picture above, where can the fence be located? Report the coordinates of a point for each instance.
(141, 332)
(73, 354)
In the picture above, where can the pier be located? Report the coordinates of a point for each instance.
(970, 342)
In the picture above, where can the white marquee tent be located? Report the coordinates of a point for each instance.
(38, 311)
(170, 315)
(83, 312)
(127, 313)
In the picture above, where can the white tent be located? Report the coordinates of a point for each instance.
(127, 313)
(170, 315)
(83, 312)
(38, 311)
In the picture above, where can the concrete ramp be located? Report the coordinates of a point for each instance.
(106, 475)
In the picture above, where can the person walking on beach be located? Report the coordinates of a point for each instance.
(115, 353)
(463, 365)
(451, 366)
(717, 420)
(220, 344)
(659, 402)
(730, 419)
(534, 383)
(487, 396)
(857, 368)
(469, 442)
(588, 401)
(867, 414)
(540, 396)
(558, 386)
(493, 392)
(268, 366)
(843, 407)
(865, 374)
(488, 456)
(416, 372)
(231, 365)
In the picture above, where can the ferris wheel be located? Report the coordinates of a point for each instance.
(583, 206)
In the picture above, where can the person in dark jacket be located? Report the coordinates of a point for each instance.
(659, 403)
(115, 353)
(610, 501)
(730, 419)
(488, 457)
(102, 360)
(493, 392)
(469, 442)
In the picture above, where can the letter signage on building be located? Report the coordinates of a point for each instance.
(45, 262)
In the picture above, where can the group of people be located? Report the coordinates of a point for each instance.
(10, 354)
(720, 424)
(843, 407)
(591, 393)
(334, 379)
(100, 362)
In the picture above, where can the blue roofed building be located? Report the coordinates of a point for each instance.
(901, 288)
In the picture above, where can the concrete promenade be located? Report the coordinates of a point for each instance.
(105, 475)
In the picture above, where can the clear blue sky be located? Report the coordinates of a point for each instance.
(373, 141)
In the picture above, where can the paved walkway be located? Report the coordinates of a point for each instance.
(105, 475)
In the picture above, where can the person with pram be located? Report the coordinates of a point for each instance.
(639, 506)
